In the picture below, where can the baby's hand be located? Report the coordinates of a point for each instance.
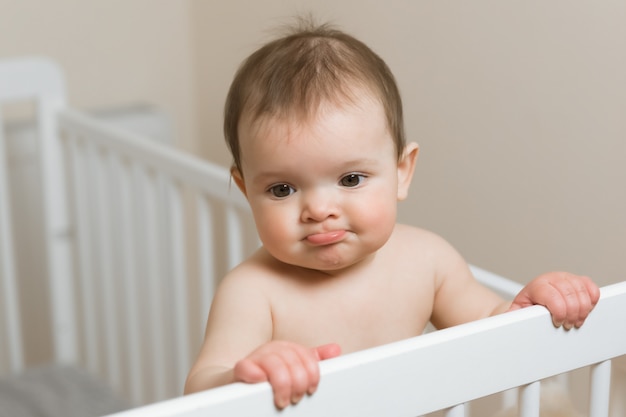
(291, 369)
(568, 297)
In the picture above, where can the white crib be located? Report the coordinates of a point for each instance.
(136, 235)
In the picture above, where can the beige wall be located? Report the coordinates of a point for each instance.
(113, 52)
(519, 108)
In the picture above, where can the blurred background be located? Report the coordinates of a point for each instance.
(519, 107)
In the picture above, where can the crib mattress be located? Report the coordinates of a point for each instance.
(56, 391)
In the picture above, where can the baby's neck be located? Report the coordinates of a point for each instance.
(358, 269)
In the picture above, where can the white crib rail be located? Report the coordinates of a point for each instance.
(442, 370)
(131, 203)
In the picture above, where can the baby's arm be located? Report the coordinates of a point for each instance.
(291, 369)
(459, 298)
(238, 347)
(569, 298)
(239, 321)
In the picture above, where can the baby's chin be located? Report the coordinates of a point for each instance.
(330, 265)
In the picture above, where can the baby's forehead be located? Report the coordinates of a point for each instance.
(300, 117)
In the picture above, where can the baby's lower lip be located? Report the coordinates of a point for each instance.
(326, 238)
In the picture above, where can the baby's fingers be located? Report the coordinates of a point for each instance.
(291, 369)
(279, 375)
(328, 351)
(304, 372)
(587, 294)
(574, 299)
(292, 374)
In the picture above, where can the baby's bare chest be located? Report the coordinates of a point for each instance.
(356, 317)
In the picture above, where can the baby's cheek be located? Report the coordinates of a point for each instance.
(377, 217)
(380, 206)
(271, 232)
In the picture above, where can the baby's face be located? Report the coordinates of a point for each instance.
(323, 193)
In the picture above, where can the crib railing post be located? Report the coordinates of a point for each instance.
(529, 398)
(235, 234)
(8, 281)
(456, 411)
(600, 387)
(131, 288)
(101, 164)
(51, 99)
(41, 81)
(206, 257)
(177, 250)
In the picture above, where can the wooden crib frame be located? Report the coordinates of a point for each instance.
(132, 226)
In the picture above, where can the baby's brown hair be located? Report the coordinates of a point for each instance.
(310, 65)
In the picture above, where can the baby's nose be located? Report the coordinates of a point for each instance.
(319, 205)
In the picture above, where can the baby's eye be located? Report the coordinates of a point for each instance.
(281, 190)
(352, 180)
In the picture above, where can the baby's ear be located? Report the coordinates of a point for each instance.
(406, 166)
(238, 178)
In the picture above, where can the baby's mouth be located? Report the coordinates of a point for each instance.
(326, 238)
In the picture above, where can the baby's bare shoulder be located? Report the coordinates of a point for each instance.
(418, 238)
(245, 289)
(423, 248)
(257, 269)
(258, 274)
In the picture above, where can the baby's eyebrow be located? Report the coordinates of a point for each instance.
(360, 162)
(356, 164)
(269, 177)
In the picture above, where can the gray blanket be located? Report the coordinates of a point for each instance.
(56, 391)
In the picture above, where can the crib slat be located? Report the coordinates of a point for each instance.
(80, 194)
(206, 250)
(57, 229)
(234, 237)
(179, 281)
(510, 397)
(127, 242)
(600, 382)
(456, 411)
(104, 224)
(8, 286)
(154, 268)
(529, 398)
(143, 277)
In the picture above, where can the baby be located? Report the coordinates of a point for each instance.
(314, 124)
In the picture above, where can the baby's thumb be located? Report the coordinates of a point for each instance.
(248, 371)
(328, 351)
